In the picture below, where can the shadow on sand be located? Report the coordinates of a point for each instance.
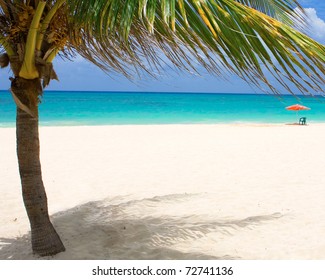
(126, 229)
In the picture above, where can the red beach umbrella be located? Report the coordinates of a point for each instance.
(297, 107)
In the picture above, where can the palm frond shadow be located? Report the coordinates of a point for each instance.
(111, 229)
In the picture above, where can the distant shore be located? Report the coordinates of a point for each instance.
(206, 191)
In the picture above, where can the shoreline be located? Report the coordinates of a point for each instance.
(174, 191)
(175, 124)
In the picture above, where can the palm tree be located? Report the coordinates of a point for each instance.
(243, 37)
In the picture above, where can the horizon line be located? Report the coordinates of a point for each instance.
(181, 92)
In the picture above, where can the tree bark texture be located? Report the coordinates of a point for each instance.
(45, 240)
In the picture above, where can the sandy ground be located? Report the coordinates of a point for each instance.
(174, 192)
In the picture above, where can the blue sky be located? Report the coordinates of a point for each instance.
(81, 75)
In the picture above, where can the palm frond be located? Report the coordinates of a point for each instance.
(236, 36)
(222, 35)
(287, 11)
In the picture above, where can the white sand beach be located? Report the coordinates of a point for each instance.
(248, 191)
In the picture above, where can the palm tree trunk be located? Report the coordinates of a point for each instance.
(45, 240)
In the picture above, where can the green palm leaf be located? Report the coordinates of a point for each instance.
(245, 37)
(282, 10)
(219, 34)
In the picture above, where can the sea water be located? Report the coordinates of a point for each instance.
(118, 108)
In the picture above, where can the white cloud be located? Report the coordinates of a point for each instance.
(316, 26)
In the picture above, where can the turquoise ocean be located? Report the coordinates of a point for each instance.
(62, 108)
